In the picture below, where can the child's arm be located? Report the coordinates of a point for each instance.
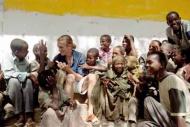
(9, 70)
(96, 67)
(43, 57)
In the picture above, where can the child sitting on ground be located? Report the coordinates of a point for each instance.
(52, 99)
(20, 81)
(86, 83)
(116, 101)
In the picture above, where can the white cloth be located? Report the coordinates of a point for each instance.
(78, 86)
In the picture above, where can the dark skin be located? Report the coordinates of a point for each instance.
(154, 67)
(91, 63)
(41, 56)
(55, 96)
(105, 44)
(21, 54)
(174, 21)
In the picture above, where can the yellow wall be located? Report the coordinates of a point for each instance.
(134, 9)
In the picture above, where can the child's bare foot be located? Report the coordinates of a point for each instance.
(19, 122)
(29, 123)
(93, 119)
(73, 104)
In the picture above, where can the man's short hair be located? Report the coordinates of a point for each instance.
(161, 57)
(172, 12)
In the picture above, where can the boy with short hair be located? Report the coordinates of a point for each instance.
(105, 52)
(17, 73)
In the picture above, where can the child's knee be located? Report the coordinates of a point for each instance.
(70, 78)
(14, 82)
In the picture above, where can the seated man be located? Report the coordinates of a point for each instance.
(173, 109)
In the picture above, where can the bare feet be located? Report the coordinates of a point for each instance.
(93, 119)
(29, 123)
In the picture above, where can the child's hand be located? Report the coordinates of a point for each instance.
(34, 79)
(105, 81)
(85, 66)
(133, 79)
(51, 80)
(42, 49)
(60, 114)
(50, 64)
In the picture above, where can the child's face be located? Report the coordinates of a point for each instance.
(186, 72)
(126, 43)
(167, 50)
(176, 57)
(153, 47)
(118, 67)
(153, 64)
(105, 43)
(91, 59)
(116, 52)
(21, 54)
(174, 21)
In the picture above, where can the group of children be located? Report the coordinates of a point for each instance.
(115, 83)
